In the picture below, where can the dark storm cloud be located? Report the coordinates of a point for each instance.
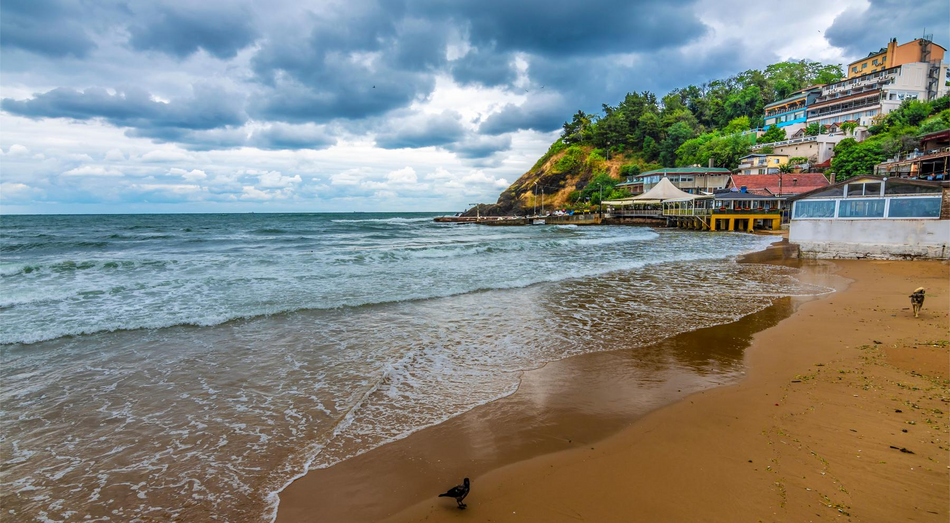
(862, 31)
(181, 30)
(48, 27)
(227, 137)
(478, 146)
(540, 113)
(289, 137)
(422, 131)
(209, 107)
(485, 68)
(571, 28)
(351, 64)
(361, 65)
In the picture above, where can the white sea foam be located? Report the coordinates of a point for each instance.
(335, 352)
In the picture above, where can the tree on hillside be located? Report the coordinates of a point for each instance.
(773, 134)
(676, 136)
(814, 129)
(855, 159)
(788, 77)
(575, 130)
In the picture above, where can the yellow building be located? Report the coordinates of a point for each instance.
(919, 50)
(762, 163)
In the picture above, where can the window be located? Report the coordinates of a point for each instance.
(864, 65)
(854, 69)
(906, 188)
(814, 209)
(863, 189)
(914, 208)
(861, 208)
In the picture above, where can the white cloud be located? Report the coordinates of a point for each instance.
(276, 179)
(10, 191)
(115, 155)
(167, 155)
(348, 177)
(17, 150)
(193, 175)
(93, 170)
(406, 175)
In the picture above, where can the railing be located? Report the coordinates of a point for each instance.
(746, 211)
(787, 142)
(632, 213)
(847, 105)
(686, 212)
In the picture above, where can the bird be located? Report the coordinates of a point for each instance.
(917, 300)
(458, 492)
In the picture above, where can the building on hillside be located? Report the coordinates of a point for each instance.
(693, 180)
(919, 50)
(790, 113)
(725, 211)
(632, 186)
(873, 217)
(762, 163)
(930, 162)
(779, 185)
(815, 149)
(862, 98)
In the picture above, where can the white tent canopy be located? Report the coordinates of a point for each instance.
(665, 190)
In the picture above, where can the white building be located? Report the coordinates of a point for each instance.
(862, 98)
(873, 217)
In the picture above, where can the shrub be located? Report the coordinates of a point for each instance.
(570, 161)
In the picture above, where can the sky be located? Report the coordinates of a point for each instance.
(359, 105)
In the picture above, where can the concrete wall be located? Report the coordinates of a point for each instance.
(876, 239)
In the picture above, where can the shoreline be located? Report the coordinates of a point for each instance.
(316, 492)
(812, 433)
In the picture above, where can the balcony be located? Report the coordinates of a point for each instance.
(848, 105)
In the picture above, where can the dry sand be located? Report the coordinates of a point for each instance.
(807, 436)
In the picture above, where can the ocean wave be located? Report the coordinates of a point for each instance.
(50, 332)
(396, 220)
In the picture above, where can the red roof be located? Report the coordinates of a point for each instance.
(778, 184)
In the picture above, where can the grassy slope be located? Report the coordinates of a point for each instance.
(558, 185)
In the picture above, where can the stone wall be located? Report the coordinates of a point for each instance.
(873, 239)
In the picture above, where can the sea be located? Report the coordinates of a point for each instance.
(188, 367)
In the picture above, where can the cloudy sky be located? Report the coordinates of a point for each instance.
(390, 105)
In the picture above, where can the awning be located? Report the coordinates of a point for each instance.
(628, 201)
(662, 191)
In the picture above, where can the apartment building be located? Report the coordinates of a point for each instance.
(893, 55)
(861, 98)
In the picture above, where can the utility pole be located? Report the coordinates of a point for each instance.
(534, 200)
(601, 201)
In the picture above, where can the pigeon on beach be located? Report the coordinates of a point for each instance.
(458, 492)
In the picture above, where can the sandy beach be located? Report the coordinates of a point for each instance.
(841, 414)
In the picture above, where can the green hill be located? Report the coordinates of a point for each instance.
(691, 126)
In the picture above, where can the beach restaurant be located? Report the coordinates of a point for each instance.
(873, 217)
(725, 210)
(644, 205)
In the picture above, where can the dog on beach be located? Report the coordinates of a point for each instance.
(458, 492)
(917, 300)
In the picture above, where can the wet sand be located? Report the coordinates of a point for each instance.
(581, 440)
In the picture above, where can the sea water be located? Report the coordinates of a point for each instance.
(187, 367)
